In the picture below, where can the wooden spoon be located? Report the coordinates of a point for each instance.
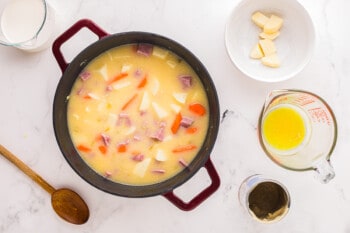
(66, 203)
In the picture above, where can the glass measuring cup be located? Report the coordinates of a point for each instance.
(298, 131)
(26, 24)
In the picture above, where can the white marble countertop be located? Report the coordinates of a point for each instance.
(28, 83)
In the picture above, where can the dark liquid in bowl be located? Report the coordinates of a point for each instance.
(268, 201)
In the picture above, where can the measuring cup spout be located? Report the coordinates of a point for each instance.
(271, 96)
(324, 171)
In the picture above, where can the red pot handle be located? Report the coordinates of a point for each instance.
(202, 196)
(56, 47)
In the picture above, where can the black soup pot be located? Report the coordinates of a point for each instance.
(70, 73)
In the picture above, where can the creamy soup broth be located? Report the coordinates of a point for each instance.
(138, 114)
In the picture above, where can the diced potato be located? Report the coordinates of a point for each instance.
(180, 97)
(104, 72)
(121, 84)
(271, 61)
(273, 25)
(93, 96)
(267, 47)
(256, 52)
(155, 86)
(125, 68)
(112, 119)
(141, 167)
(159, 52)
(171, 63)
(160, 156)
(145, 102)
(259, 19)
(76, 116)
(176, 108)
(161, 113)
(168, 138)
(129, 130)
(272, 36)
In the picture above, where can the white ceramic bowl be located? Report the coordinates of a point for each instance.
(295, 44)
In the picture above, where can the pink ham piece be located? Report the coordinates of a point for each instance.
(138, 73)
(108, 174)
(138, 157)
(124, 118)
(105, 139)
(159, 171)
(186, 80)
(109, 88)
(183, 162)
(80, 91)
(160, 133)
(186, 121)
(145, 49)
(85, 75)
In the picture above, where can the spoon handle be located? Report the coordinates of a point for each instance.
(27, 170)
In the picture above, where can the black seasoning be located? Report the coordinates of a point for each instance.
(268, 200)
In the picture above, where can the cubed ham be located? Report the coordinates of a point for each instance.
(158, 171)
(109, 88)
(105, 139)
(124, 118)
(138, 157)
(145, 49)
(137, 137)
(138, 73)
(80, 91)
(186, 80)
(108, 174)
(85, 75)
(186, 121)
(183, 162)
(160, 133)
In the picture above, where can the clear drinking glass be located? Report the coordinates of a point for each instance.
(317, 140)
(26, 24)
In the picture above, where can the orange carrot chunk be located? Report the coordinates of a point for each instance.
(117, 77)
(197, 109)
(176, 124)
(103, 149)
(186, 148)
(191, 130)
(83, 148)
(121, 148)
(129, 102)
(143, 82)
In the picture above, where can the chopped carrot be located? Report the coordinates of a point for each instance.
(103, 149)
(197, 109)
(184, 148)
(176, 124)
(121, 148)
(191, 130)
(143, 82)
(129, 102)
(87, 97)
(83, 148)
(117, 77)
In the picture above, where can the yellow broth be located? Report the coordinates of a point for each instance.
(138, 114)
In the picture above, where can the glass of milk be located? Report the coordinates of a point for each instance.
(26, 24)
